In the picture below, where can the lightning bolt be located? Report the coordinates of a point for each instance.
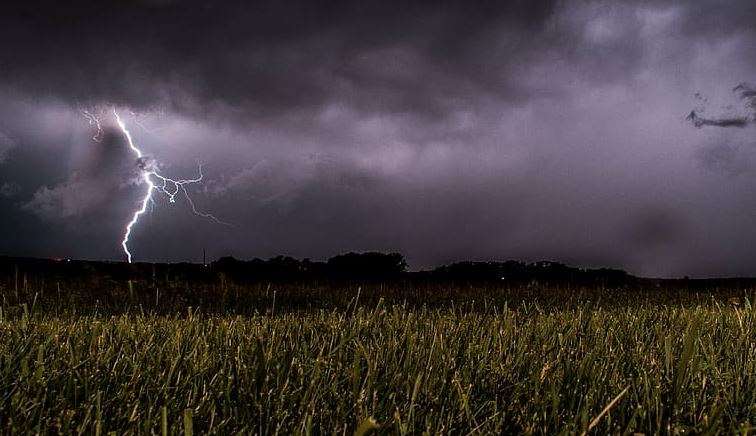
(155, 182)
(94, 121)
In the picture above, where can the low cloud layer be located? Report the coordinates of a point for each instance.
(444, 130)
(747, 96)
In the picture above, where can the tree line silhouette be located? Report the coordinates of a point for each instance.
(369, 266)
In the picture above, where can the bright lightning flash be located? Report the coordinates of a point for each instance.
(155, 182)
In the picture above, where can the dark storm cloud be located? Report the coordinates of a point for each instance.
(106, 171)
(704, 18)
(718, 122)
(263, 57)
(709, 17)
(747, 95)
(445, 130)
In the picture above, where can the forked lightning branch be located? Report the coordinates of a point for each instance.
(151, 177)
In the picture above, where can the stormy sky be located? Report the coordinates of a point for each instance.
(595, 133)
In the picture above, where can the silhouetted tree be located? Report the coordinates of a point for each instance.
(367, 266)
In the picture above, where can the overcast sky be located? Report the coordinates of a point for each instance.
(446, 131)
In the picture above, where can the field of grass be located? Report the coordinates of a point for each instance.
(635, 367)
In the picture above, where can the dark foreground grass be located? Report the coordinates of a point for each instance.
(401, 370)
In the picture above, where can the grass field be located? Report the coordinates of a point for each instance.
(495, 368)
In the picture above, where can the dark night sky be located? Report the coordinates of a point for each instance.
(443, 130)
